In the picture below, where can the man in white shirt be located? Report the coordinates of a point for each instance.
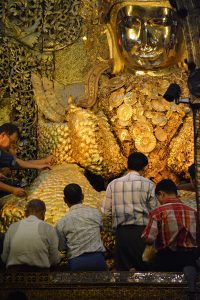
(79, 233)
(31, 243)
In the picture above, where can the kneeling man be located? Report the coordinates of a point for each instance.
(31, 244)
(172, 229)
(79, 233)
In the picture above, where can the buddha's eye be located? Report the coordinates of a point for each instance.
(131, 21)
(164, 21)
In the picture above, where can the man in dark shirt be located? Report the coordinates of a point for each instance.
(9, 135)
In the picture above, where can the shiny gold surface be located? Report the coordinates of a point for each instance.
(144, 35)
(148, 37)
(48, 186)
(145, 142)
(35, 25)
(182, 148)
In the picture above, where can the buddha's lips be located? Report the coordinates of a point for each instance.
(149, 53)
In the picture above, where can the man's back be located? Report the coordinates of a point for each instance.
(79, 231)
(173, 225)
(129, 199)
(30, 242)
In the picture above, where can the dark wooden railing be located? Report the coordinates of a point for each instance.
(96, 285)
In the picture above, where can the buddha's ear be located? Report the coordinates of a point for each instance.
(118, 64)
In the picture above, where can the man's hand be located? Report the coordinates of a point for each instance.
(2, 176)
(19, 192)
(48, 159)
(43, 167)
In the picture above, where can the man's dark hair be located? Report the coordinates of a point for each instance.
(9, 129)
(191, 170)
(36, 205)
(73, 193)
(167, 186)
(137, 161)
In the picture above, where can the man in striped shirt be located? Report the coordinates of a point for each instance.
(172, 228)
(127, 203)
(79, 233)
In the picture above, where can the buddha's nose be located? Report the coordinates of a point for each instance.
(145, 36)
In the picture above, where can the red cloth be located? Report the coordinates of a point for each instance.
(172, 225)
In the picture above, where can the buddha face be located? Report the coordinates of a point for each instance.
(148, 37)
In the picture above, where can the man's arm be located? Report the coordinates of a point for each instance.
(26, 164)
(53, 246)
(17, 191)
(62, 245)
(42, 161)
(152, 201)
(186, 187)
(151, 231)
(4, 172)
(107, 207)
(107, 203)
(8, 160)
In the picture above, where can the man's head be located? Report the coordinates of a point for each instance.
(73, 194)
(9, 135)
(137, 161)
(36, 208)
(191, 171)
(166, 188)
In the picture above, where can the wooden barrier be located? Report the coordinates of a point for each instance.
(96, 285)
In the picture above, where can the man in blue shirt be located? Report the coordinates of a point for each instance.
(9, 135)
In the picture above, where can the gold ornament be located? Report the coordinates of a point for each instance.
(124, 135)
(125, 112)
(146, 142)
(129, 98)
(159, 119)
(160, 134)
(159, 105)
(139, 128)
(116, 98)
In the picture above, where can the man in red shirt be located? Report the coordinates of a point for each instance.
(172, 229)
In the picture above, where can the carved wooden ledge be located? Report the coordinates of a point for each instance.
(96, 285)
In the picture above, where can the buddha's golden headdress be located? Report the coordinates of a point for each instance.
(105, 6)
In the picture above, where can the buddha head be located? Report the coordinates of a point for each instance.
(143, 35)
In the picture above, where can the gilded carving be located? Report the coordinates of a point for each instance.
(46, 25)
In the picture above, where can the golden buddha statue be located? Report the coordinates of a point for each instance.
(122, 110)
(123, 107)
